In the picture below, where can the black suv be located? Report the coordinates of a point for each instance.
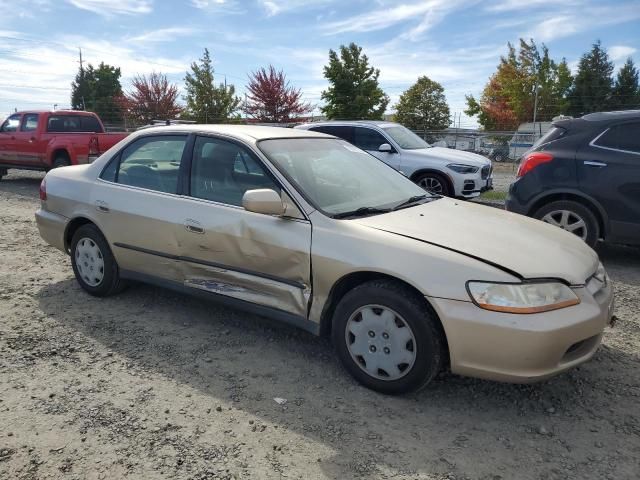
(584, 175)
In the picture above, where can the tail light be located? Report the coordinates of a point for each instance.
(43, 190)
(93, 146)
(532, 160)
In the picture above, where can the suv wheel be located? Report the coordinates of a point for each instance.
(93, 263)
(434, 183)
(386, 338)
(572, 217)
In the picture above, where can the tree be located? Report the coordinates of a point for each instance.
(98, 90)
(526, 79)
(271, 99)
(626, 91)
(423, 106)
(152, 98)
(353, 92)
(593, 84)
(207, 103)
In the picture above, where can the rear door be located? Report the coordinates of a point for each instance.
(227, 250)
(27, 144)
(8, 132)
(137, 205)
(609, 171)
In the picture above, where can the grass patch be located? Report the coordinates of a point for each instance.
(494, 195)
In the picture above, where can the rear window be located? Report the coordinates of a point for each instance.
(73, 123)
(552, 134)
(344, 132)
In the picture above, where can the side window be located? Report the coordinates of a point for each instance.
(622, 137)
(29, 122)
(11, 124)
(90, 124)
(150, 162)
(368, 139)
(346, 133)
(223, 171)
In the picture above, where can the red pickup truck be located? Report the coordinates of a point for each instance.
(40, 140)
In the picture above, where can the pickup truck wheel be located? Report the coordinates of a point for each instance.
(61, 161)
(387, 339)
(94, 266)
(3, 172)
(434, 183)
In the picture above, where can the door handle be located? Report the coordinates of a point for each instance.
(595, 164)
(32, 139)
(102, 206)
(193, 226)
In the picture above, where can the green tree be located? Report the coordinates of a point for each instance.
(98, 90)
(353, 92)
(593, 84)
(207, 103)
(626, 91)
(423, 106)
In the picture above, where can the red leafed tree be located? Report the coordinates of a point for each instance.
(271, 99)
(152, 98)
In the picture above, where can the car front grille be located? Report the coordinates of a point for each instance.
(485, 172)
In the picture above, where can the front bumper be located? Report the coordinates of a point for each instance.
(524, 348)
(472, 185)
(52, 227)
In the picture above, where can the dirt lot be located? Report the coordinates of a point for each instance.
(150, 384)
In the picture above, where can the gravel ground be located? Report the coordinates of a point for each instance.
(150, 384)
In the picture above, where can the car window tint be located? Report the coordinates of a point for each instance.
(152, 163)
(346, 133)
(90, 124)
(223, 171)
(29, 122)
(63, 123)
(367, 138)
(11, 124)
(622, 137)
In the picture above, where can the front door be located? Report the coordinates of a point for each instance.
(227, 250)
(27, 142)
(370, 140)
(137, 206)
(8, 139)
(609, 171)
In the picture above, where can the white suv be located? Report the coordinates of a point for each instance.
(444, 171)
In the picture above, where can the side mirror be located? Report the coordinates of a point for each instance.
(385, 148)
(263, 200)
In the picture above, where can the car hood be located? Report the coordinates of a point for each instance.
(451, 156)
(520, 245)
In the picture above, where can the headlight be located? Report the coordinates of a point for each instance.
(456, 167)
(521, 297)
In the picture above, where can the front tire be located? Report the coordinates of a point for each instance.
(572, 217)
(94, 266)
(434, 183)
(387, 338)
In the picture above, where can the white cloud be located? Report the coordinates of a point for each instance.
(620, 52)
(276, 7)
(114, 7)
(163, 35)
(514, 5)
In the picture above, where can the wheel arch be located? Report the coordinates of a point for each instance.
(351, 280)
(418, 173)
(56, 151)
(586, 201)
(72, 228)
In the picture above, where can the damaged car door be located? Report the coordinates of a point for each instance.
(227, 250)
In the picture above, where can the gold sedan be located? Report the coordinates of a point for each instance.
(311, 230)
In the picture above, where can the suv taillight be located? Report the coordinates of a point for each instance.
(43, 190)
(532, 160)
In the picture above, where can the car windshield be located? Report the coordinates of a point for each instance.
(338, 178)
(405, 138)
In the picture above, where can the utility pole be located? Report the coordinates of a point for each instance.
(455, 144)
(84, 107)
(535, 110)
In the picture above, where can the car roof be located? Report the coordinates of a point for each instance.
(612, 116)
(248, 133)
(57, 112)
(377, 123)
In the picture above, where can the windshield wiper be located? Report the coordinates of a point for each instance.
(412, 200)
(361, 212)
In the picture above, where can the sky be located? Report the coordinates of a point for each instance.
(457, 43)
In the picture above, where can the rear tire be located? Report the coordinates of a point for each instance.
(434, 183)
(94, 266)
(3, 172)
(572, 217)
(387, 338)
(61, 160)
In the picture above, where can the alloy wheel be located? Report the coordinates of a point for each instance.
(569, 221)
(381, 342)
(431, 184)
